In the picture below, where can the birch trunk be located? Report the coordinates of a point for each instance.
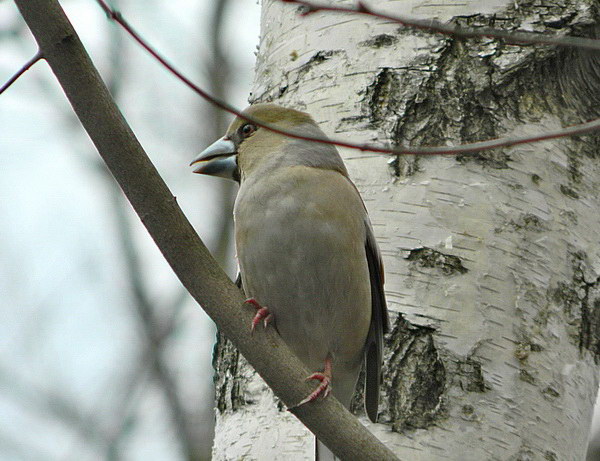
(492, 262)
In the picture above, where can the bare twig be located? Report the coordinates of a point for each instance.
(21, 71)
(517, 37)
(471, 148)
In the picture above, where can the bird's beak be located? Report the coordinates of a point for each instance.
(218, 159)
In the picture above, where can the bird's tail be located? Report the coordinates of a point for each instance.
(322, 453)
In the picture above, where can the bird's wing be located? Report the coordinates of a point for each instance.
(379, 325)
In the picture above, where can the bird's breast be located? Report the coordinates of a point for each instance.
(300, 240)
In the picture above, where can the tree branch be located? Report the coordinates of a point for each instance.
(178, 241)
(21, 71)
(518, 37)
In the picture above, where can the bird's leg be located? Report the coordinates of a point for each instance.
(323, 389)
(262, 313)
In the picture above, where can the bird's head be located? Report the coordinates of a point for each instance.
(247, 148)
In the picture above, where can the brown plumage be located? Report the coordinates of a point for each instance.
(305, 247)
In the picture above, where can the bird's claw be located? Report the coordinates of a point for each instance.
(322, 390)
(262, 313)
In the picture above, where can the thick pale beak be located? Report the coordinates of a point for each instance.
(218, 159)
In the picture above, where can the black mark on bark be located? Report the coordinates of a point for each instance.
(416, 377)
(380, 41)
(429, 258)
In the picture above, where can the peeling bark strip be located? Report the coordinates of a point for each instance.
(494, 352)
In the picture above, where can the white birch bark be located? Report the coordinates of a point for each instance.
(492, 261)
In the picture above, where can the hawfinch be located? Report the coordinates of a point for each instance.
(306, 251)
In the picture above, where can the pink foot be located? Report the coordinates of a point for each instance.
(262, 313)
(323, 389)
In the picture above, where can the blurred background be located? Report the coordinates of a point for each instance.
(103, 355)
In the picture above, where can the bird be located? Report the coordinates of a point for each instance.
(307, 255)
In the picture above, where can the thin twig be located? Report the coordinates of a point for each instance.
(21, 71)
(593, 125)
(518, 37)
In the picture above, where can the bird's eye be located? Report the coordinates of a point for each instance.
(248, 129)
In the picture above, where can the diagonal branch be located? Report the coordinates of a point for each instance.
(179, 243)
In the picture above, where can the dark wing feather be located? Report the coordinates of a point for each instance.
(379, 326)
